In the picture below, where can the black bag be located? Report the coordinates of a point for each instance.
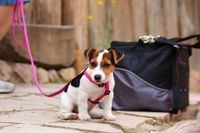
(153, 76)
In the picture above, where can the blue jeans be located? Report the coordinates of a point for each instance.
(10, 2)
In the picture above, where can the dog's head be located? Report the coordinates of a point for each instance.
(101, 63)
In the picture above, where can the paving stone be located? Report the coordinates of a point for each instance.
(88, 126)
(38, 98)
(150, 128)
(26, 110)
(145, 114)
(24, 90)
(25, 128)
(10, 95)
(187, 126)
(30, 117)
(3, 125)
(17, 105)
(128, 122)
(47, 88)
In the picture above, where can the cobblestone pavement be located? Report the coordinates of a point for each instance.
(27, 111)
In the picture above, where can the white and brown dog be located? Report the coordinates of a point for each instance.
(95, 84)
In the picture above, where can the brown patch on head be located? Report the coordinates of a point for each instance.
(106, 64)
(117, 57)
(93, 58)
(88, 53)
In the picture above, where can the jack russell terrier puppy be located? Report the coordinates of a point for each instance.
(95, 84)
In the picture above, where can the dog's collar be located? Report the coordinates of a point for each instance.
(89, 78)
(107, 88)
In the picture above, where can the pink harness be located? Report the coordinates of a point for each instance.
(17, 19)
(107, 89)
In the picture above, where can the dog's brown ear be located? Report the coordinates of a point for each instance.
(88, 53)
(117, 56)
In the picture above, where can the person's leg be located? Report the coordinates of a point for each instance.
(5, 24)
(5, 19)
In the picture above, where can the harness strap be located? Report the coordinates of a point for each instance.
(106, 85)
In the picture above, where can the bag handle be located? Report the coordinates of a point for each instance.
(181, 39)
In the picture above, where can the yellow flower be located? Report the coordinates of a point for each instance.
(90, 17)
(129, 40)
(113, 1)
(100, 2)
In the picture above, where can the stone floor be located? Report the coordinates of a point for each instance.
(27, 111)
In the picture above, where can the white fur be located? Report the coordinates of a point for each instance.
(78, 97)
(97, 69)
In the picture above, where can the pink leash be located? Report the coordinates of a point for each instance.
(26, 45)
(16, 19)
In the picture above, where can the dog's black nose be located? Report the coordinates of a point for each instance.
(97, 77)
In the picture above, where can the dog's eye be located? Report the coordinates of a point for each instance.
(106, 65)
(93, 64)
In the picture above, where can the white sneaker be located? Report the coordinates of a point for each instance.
(6, 87)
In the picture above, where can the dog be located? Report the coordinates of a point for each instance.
(95, 84)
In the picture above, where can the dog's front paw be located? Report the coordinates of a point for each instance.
(84, 117)
(109, 117)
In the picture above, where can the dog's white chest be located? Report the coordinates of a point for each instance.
(93, 90)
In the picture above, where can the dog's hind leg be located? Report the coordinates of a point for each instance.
(66, 108)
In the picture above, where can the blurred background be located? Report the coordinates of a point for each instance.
(60, 30)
